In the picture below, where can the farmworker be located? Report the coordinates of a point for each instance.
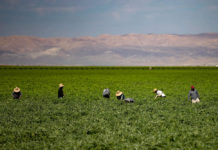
(106, 93)
(16, 93)
(60, 91)
(120, 95)
(159, 93)
(194, 95)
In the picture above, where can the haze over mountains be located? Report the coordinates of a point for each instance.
(110, 50)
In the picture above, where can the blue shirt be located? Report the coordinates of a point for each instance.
(194, 94)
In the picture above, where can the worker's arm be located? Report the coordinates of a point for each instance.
(156, 96)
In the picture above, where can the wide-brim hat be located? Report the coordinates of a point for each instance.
(119, 93)
(61, 85)
(154, 90)
(17, 89)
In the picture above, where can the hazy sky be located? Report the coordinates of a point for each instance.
(72, 18)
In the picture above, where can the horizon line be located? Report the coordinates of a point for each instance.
(202, 33)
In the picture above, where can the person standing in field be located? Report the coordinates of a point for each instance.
(60, 91)
(16, 93)
(106, 93)
(159, 93)
(193, 93)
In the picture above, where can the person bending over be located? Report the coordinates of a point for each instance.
(193, 93)
(159, 93)
(120, 95)
(60, 91)
(106, 93)
(16, 93)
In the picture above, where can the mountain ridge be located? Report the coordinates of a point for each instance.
(106, 49)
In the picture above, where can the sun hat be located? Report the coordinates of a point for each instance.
(119, 93)
(154, 90)
(192, 87)
(17, 89)
(61, 85)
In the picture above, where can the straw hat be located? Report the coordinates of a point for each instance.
(119, 93)
(154, 90)
(61, 85)
(17, 89)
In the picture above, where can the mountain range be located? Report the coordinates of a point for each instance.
(112, 50)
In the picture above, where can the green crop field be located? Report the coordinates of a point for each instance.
(83, 119)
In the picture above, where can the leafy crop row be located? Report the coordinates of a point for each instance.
(83, 119)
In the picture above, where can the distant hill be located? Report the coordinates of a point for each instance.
(128, 49)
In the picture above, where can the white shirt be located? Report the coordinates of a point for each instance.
(160, 93)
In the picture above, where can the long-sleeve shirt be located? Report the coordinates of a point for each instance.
(16, 95)
(121, 97)
(106, 93)
(60, 93)
(160, 93)
(194, 94)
